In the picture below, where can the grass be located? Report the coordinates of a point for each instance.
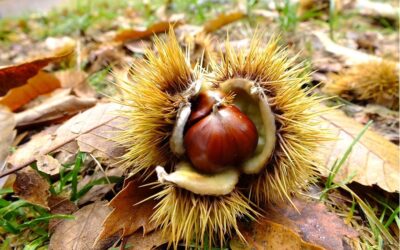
(388, 214)
(23, 223)
(81, 16)
(98, 80)
(288, 18)
(329, 184)
(333, 18)
(20, 219)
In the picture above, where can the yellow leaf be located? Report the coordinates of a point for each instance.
(222, 20)
(40, 84)
(18, 75)
(139, 33)
(373, 160)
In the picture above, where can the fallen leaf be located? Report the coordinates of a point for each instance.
(140, 33)
(97, 192)
(222, 20)
(104, 55)
(47, 164)
(270, 235)
(373, 160)
(59, 205)
(32, 187)
(140, 241)
(99, 143)
(138, 47)
(54, 108)
(97, 120)
(377, 9)
(33, 145)
(350, 56)
(129, 212)
(77, 81)
(81, 232)
(7, 134)
(17, 75)
(386, 121)
(39, 84)
(313, 222)
(308, 225)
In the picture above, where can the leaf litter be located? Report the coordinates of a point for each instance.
(55, 139)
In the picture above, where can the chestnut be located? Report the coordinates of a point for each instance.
(204, 104)
(221, 135)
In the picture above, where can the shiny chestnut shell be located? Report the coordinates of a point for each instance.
(223, 138)
(204, 104)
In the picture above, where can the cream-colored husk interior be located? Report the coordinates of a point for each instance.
(252, 101)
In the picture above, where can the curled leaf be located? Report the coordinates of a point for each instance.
(32, 187)
(130, 212)
(140, 33)
(18, 75)
(39, 84)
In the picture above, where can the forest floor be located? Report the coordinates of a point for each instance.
(57, 71)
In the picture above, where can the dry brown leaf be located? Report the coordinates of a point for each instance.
(313, 222)
(47, 164)
(32, 187)
(7, 133)
(59, 205)
(350, 56)
(140, 33)
(97, 192)
(222, 20)
(270, 235)
(18, 75)
(128, 216)
(100, 121)
(373, 160)
(77, 81)
(53, 109)
(311, 226)
(80, 233)
(36, 142)
(39, 84)
(139, 241)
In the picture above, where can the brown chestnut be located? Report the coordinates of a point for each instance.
(221, 138)
(204, 104)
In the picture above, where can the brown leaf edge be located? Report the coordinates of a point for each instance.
(131, 211)
(17, 75)
(140, 33)
(107, 115)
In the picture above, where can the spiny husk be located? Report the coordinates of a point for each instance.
(153, 99)
(153, 94)
(185, 215)
(202, 48)
(292, 165)
(376, 82)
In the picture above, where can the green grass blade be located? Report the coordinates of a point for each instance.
(6, 191)
(47, 218)
(101, 181)
(336, 167)
(36, 243)
(392, 217)
(13, 206)
(80, 158)
(374, 221)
